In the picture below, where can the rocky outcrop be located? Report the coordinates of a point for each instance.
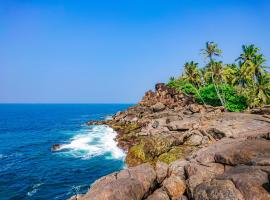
(178, 150)
(229, 169)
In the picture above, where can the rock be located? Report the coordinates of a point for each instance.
(248, 152)
(174, 186)
(131, 118)
(181, 125)
(197, 174)
(183, 197)
(159, 195)
(194, 108)
(162, 171)
(128, 184)
(155, 124)
(177, 168)
(176, 153)
(194, 140)
(217, 190)
(139, 173)
(123, 188)
(56, 147)
(158, 107)
(251, 181)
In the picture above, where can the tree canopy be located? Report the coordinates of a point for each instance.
(236, 86)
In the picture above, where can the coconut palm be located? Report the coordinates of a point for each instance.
(211, 50)
(262, 89)
(252, 64)
(231, 74)
(192, 74)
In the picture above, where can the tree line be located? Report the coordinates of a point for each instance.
(237, 86)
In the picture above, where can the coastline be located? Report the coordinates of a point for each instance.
(177, 149)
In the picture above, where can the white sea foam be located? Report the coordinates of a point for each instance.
(34, 189)
(99, 140)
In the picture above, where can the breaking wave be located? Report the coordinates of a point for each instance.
(99, 140)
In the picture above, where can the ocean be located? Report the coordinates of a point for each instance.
(28, 167)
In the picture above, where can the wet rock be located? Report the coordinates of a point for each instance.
(56, 147)
(162, 171)
(175, 186)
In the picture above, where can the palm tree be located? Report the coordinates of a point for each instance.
(193, 76)
(252, 64)
(262, 89)
(211, 50)
(192, 73)
(231, 74)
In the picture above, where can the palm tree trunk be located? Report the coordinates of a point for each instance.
(200, 95)
(216, 88)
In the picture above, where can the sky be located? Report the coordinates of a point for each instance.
(112, 51)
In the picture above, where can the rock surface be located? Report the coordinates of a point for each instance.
(192, 152)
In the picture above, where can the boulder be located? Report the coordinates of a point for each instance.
(248, 152)
(122, 189)
(217, 190)
(159, 194)
(56, 147)
(139, 172)
(162, 171)
(194, 108)
(194, 140)
(177, 168)
(158, 107)
(251, 181)
(132, 183)
(181, 125)
(175, 186)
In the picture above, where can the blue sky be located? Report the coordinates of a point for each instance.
(100, 51)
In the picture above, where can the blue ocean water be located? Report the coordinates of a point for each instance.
(28, 168)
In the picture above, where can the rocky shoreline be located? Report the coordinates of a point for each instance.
(177, 149)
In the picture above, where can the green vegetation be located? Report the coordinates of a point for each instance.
(237, 86)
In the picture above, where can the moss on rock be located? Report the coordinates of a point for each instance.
(176, 153)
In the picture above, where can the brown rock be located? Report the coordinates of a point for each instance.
(194, 108)
(162, 171)
(144, 173)
(251, 181)
(158, 107)
(217, 190)
(248, 152)
(177, 168)
(174, 186)
(122, 189)
(159, 195)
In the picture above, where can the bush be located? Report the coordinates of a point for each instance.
(234, 101)
(184, 86)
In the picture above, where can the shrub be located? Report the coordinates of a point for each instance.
(181, 85)
(234, 101)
